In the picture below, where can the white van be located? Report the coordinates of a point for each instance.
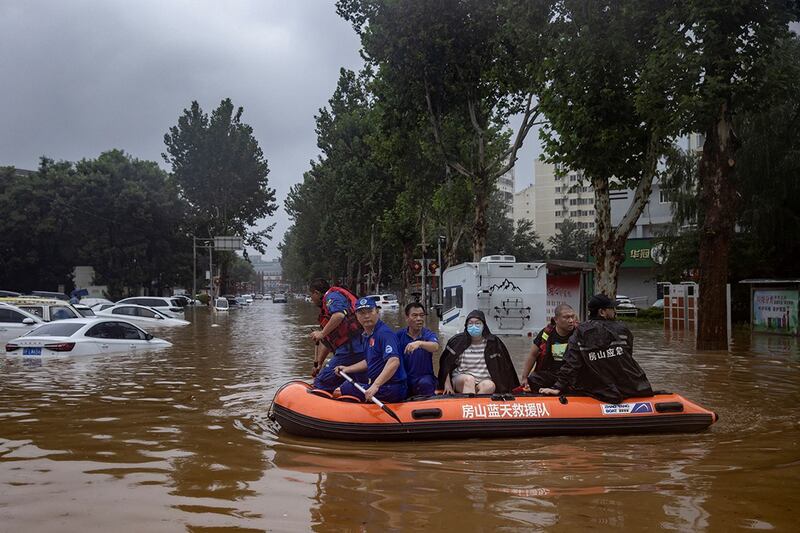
(45, 308)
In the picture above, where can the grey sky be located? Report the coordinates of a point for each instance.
(81, 77)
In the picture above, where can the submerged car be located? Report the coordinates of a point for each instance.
(625, 306)
(169, 306)
(84, 310)
(141, 315)
(385, 301)
(15, 322)
(221, 304)
(94, 302)
(279, 298)
(46, 309)
(83, 336)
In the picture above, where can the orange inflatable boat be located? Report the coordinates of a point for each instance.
(302, 410)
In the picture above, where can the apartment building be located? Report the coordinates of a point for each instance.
(505, 186)
(524, 205)
(553, 198)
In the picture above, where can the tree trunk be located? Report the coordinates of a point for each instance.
(609, 242)
(607, 249)
(480, 225)
(348, 277)
(405, 270)
(718, 201)
(380, 273)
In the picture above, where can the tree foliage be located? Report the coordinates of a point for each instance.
(336, 210)
(506, 237)
(604, 118)
(118, 214)
(570, 242)
(767, 181)
(725, 51)
(221, 172)
(449, 63)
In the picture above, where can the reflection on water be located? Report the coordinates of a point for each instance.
(179, 439)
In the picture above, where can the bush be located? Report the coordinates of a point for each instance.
(203, 298)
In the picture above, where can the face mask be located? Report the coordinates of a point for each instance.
(475, 329)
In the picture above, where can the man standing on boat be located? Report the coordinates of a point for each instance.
(340, 334)
(418, 344)
(599, 358)
(387, 377)
(548, 349)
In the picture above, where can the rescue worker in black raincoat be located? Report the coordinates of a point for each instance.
(498, 362)
(599, 358)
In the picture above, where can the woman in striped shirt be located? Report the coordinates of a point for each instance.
(476, 361)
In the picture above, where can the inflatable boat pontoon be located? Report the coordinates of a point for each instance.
(302, 410)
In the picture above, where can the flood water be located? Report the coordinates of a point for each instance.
(178, 440)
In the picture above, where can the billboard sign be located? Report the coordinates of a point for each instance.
(775, 311)
(227, 244)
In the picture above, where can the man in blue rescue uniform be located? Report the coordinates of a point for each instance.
(418, 344)
(340, 334)
(387, 377)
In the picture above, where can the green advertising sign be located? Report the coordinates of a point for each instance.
(641, 253)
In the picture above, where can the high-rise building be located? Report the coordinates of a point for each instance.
(505, 186)
(524, 205)
(553, 198)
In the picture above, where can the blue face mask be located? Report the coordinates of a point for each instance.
(475, 329)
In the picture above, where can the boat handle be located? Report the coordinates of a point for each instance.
(669, 407)
(422, 414)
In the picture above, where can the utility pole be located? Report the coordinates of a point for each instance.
(194, 267)
(440, 295)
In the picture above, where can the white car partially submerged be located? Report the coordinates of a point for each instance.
(141, 315)
(385, 301)
(625, 306)
(221, 304)
(83, 336)
(15, 322)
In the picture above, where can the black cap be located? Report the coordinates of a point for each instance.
(600, 301)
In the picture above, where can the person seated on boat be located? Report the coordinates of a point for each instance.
(387, 377)
(475, 361)
(547, 352)
(418, 344)
(599, 358)
(340, 334)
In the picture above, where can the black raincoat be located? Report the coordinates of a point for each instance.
(599, 361)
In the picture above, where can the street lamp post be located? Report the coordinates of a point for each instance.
(208, 244)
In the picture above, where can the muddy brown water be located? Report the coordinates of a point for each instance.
(178, 440)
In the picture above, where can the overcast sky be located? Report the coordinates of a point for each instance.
(84, 76)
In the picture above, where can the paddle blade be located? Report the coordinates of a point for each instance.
(391, 413)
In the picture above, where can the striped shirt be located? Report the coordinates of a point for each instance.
(473, 362)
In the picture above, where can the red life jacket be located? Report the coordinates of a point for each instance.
(348, 329)
(546, 332)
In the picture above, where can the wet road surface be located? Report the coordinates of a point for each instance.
(178, 440)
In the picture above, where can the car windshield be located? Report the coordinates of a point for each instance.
(86, 312)
(390, 297)
(55, 329)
